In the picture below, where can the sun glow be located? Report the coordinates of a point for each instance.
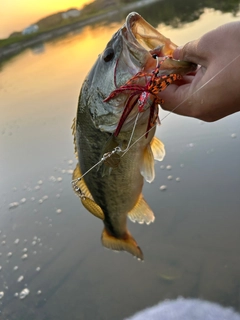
(19, 14)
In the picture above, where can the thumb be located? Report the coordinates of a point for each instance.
(191, 52)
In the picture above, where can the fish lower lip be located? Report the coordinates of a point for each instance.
(132, 17)
(131, 21)
(144, 35)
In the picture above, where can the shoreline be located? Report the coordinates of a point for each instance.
(15, 48)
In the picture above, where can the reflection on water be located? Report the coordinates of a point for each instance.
(38, 49)
(52, 265)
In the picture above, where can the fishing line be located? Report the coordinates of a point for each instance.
(202, 86)
(170, 112)
(133, 130)
(78, 179)
(109, 154)
(105, 156)
(129, 146)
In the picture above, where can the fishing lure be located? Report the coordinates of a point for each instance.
(145, 95)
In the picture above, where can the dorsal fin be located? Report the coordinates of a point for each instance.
(127, 243)
(141, 212)
(73, 127)
(85, 195)
(147, 164)
(158, 149)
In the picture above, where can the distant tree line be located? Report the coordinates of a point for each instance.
(178, 12)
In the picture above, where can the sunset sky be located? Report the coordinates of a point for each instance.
(18, 14)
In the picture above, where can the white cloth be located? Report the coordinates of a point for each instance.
(186, 309)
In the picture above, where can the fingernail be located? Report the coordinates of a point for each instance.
(176, 53)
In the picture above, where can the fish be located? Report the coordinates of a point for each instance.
(111, 168)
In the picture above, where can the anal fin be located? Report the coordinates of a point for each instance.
(81, 189)
(127, 243)
(141, 212)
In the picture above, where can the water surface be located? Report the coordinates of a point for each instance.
(192, 249)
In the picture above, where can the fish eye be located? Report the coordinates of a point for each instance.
(108, 54)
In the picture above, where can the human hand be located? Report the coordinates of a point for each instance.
(213, 92)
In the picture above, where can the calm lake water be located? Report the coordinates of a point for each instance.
(50, 245)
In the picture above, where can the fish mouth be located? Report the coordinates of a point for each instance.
(143, 51)
(143, 40)
(142, 33)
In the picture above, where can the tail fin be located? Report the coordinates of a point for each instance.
(122, 244)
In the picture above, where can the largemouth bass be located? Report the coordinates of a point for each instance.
(112, 189)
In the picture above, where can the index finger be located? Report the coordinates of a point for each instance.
(191, 51)
(177, 99)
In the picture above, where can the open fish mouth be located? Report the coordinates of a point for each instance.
(143, 34)
(144, 43)
(147, 58)
(143, 67)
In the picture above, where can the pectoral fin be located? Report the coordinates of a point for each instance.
(81, 189)
(141, 212)
(122, 244)
(147, 164)
(158, 149)
(154, 150)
